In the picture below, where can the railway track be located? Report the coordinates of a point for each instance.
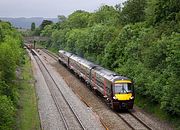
(133, 121)
(128, 117)
(50, 54)
(64, 108)
(145, 125)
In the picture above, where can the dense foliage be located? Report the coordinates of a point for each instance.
(10, 58)
(140, 40)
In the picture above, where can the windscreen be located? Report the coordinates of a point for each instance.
(122, 88)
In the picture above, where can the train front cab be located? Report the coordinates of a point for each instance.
(123, 95)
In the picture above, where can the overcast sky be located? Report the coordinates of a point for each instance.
(49, 8)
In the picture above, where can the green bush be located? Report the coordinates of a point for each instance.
(7, 113)
(10, 58)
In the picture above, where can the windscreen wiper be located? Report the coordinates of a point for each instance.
(124, 90)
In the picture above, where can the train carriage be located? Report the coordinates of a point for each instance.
(81, 67)
(86, 67)
(64, 57)
(117, 90)
(74, 64)
(99, 81)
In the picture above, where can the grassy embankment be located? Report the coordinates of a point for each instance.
(154, 109)
(27, 115)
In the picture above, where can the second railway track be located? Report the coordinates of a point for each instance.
(66, 111)
(133, 121)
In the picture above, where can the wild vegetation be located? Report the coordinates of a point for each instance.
(10, 58)
(140, 39)
(18, 108)
(27, 117)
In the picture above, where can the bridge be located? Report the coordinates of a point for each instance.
(32, 39)
(30, 42)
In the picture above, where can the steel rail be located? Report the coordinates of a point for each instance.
(55, 100)
(72, 109)
(50, 54)
(145, 125)
(125, 121)
(135, 117)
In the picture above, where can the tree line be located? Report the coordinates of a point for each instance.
(10, 59)
(140, 39)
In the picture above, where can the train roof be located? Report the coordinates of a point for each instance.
(65, 53)
(83, 61)
(110, 75)
(88, 64)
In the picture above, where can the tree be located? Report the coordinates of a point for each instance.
(105, 15)
(166, 10)
(118, 7)
(162, 11)
(78, 19)
(45, 23)
(133, 11)
(47, 31)
(33, 26)
(62, 18)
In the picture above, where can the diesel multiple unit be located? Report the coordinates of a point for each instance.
(118, 90)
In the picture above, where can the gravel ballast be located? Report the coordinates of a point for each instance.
(50, 118)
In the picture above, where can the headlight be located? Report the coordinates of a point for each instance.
(114, 97)
(131, 97)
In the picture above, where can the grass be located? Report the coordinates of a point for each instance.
(154, 109)
(27, 113)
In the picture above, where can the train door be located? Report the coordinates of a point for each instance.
(91, 76)
(109, 100)
(68, 61)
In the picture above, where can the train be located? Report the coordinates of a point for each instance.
(117, 90)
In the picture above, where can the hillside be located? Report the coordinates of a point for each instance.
(26, 22)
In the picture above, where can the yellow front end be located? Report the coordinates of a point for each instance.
(123, 96)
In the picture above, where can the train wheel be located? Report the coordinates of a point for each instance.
(114, 106)
(95, 91)
(108, 102)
